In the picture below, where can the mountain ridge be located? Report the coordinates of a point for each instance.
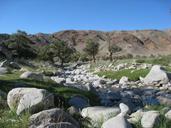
(135, 42)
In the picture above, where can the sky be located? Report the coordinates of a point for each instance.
(48, 16)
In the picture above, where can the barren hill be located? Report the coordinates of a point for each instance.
(140, 42)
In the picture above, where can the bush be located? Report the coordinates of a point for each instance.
(84, 57)
(129, 56)
(140, 61)
(75, 57)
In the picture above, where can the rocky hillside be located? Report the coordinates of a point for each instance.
(139, 42)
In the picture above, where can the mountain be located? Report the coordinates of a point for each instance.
(138, 42)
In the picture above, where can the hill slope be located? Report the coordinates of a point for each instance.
(140, 42)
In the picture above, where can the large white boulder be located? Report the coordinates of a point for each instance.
(117, 122)
(98, 113)
(150, 119)
(29, 99)
(156, 74)
(31, 75)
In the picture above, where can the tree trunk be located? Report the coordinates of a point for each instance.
(94, 59)
(62, 63)
(110, 56)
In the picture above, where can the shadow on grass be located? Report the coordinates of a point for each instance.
(66, 92)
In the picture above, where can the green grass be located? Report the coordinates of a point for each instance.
(9, 119)
(162, 60)
(132, 75)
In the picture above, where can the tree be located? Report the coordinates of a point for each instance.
(113, 49)
(20, 32)
(92, 49)
(20, 46)
(62, 50)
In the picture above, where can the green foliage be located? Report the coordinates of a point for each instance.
(84, 57)
(140, 61)
(20, 46)
(75, 56)
(92, 48)
(62, 50)
(132, 75)
(114, 48)
(21, 32)
(45, 53)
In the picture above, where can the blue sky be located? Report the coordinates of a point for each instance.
(50, 16)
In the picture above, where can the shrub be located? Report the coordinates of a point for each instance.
(140, 61)
(92, 48)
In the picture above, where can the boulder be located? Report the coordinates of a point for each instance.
(121, 66)
(14, 65)
(3, 71)
(60, 125)
(117, 122)
(97, 113)
(52, 117)
(164, 100)
(5, 63)
(168, 115)
(123, 80)
(150, 119)
(98, 83)
(31, 75)
(29, 99)
(79, 102)
(58, 80)
(136, 116)
(72, 110)
(124, 109)
(156, 75)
